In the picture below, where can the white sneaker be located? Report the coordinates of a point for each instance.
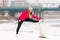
(42, 37)
(16, 35)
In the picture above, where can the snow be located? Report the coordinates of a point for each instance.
(30, 31)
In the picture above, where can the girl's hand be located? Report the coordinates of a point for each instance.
(40, 21)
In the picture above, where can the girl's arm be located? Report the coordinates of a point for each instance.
(34, 16)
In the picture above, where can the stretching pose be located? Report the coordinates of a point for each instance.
(27, 15)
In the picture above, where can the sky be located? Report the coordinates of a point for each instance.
(44, 1)
(57, 2)
(41, 1)
(38, 1)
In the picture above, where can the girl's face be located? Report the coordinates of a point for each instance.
(30, 11)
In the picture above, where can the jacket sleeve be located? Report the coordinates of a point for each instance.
(20, 16)
(34, 16)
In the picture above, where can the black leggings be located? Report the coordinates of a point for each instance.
(19, 23)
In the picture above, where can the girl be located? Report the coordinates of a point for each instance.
(27, 15)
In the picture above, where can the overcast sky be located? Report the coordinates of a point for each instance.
(44, 1)
(40, 1)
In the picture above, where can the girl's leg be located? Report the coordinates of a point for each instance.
(19, 25)
(42, 30)
(31, 20)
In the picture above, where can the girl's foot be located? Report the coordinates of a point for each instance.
(42, 37)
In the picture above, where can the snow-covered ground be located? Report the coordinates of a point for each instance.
(30, 31)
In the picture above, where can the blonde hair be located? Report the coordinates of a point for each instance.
(30, 8)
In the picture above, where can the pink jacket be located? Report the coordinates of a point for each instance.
(25, 15)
